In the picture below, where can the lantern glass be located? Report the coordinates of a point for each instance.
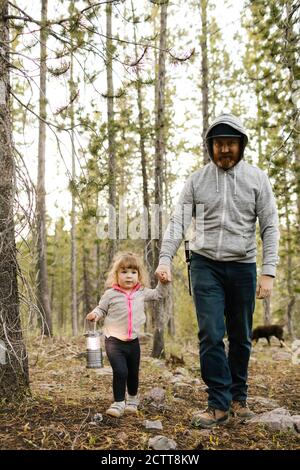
(93, 342)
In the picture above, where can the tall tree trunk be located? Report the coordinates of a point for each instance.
(170, 312)
(148, 246)
(289, 264)
(14, 378)
(99, 274)
(42, 275)
(292, 40)
(267, 311)
(148, 249)
(74, 313)
(204, 78)
(160, 137)
(112, 243)
(87, 304)
(61, 312)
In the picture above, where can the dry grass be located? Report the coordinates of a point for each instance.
(66, 396)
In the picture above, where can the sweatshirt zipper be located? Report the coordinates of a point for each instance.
(129, 298)
(223, 216)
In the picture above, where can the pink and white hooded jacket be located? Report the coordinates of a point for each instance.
(124, 312)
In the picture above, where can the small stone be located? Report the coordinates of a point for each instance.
(157, 394)
(98, 418)
(161, 443)
(153, 425)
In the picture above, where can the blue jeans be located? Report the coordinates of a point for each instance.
(224, 295)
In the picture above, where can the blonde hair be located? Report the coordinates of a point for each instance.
(123, 261)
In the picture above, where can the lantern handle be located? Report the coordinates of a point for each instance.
(94, 325)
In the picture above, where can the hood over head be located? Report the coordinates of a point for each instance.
(226, 125)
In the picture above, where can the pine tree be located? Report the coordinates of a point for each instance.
(14, 379)
(42, 275)
(111, 133)
(160, 144)
(269, 75)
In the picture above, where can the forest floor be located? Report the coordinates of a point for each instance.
(65, 397)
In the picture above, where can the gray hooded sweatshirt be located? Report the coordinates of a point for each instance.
(224, 206)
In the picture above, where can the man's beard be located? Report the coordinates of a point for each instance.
(226, 162)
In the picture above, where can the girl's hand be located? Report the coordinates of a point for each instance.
(91, 316)
(163, 272)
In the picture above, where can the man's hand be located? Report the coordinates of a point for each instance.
(264, 287)
(163, 273)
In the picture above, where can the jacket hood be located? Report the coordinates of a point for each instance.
(229, 120)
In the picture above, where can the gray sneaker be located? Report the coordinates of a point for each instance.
(132, 404)
(116, 409)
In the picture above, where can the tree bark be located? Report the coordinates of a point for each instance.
(74, 313)
(14, 377)
(267, 311)
(292, 38)
(170, 312)
(112, 242)
(42, 275)
(86, 284)
(289, 264)
(204, 78)
(148, 250)
(160, 144)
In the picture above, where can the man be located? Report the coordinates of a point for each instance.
(232, 195)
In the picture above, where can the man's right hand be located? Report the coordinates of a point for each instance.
(91, 316)
(163, 273)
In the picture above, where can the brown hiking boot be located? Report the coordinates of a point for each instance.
(209, 418)
(240, 409)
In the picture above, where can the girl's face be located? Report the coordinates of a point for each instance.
(128, 278)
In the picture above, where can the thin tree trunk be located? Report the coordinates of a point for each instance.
(52, 284)
(86, 284)
(267, 311)
(292, 39)
(170, 312)
(98, 272)
(112, 243)
(289, 265)
(61, 312)
(148, 250)
(42, 275)
(14, 377)
(204, 78)
(74, 313)
(158, 338)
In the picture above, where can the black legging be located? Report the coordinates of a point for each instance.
(124, 358)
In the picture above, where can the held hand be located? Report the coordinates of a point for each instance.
(91, 316)
(163, 273)
(264, 287)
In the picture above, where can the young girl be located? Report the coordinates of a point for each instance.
(122, 307)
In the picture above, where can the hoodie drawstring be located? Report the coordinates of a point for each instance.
(234, 172)
(217, 174)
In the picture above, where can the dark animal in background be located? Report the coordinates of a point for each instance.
(266, 331)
